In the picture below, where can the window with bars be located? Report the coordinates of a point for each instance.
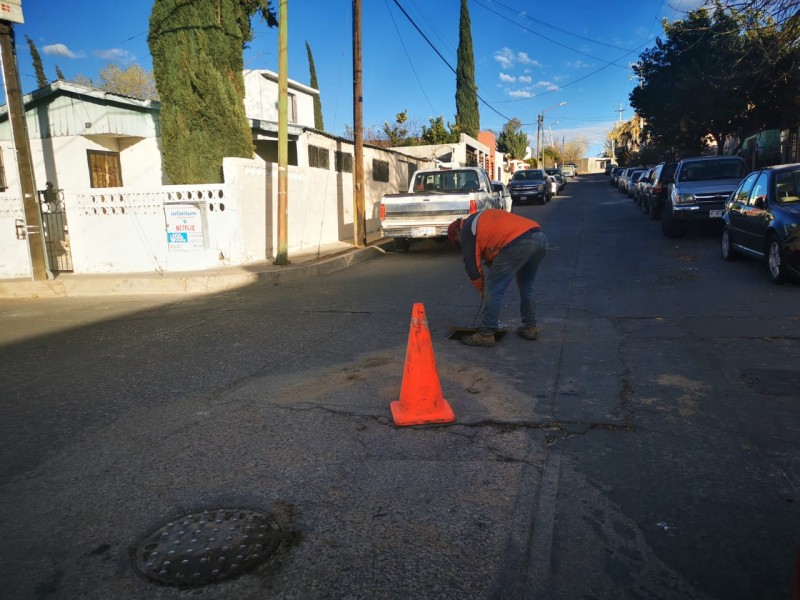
(319, 157)
(343, 162)
(105, 169)
(380, 170)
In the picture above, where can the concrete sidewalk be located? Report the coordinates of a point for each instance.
(325, 259)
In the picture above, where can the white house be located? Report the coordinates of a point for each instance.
(106, 207)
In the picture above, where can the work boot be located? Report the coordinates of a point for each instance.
(529, 332)
(479, 339)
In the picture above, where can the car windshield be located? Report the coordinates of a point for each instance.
(787, 186)
(528, 175)
(707, 170)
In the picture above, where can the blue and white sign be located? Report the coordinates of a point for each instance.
(184, 227)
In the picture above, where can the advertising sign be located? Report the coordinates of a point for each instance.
(11, 10)
(184, 227)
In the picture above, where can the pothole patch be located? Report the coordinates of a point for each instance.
(208, 546)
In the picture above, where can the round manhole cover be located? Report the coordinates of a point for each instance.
(207, 546)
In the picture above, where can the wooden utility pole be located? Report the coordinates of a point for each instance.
(282, 257)
(359, 202)
(19, 131)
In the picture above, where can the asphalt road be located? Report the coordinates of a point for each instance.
(644, 447)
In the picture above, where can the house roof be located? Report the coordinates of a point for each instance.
(59, 87)
(273, 76)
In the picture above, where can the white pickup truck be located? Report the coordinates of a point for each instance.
(436, 198)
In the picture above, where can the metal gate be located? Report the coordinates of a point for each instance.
(55, 229)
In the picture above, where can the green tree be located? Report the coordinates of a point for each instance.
(467, 115)
(716, 75)
(397, 134)
(41, 78)
(197, 50)
(133, 81)
(685, 81)
(318, 124)
(512, 140)
(438, 133)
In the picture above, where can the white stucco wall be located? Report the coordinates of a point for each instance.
(14, 255)
(261, 99)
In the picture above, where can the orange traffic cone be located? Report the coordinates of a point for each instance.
(421, 399)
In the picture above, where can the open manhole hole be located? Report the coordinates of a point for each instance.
(208, 546)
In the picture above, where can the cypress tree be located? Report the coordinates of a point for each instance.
(467, 117)
(41, 78)
(318, 124)
(197, 50)
(59, 74)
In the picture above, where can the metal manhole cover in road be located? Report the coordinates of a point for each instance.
(208, 546)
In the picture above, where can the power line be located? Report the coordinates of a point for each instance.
(444, 60)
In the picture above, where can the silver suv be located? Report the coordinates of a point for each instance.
(701, 187)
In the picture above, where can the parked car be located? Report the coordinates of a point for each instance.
(762, 219)
(556, 172)
(553, 185)
(633, 182)
(641, 186)
(570, 169)
(624, 181)
(615, 173)
(655, 193)
(502, 190)
(702, 185)
(530, 185)
(609, 167)
(435, 198)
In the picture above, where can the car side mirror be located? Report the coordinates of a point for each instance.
(760, 203)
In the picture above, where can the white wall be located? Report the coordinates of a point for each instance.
(14, 255)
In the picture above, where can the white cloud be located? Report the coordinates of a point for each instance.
(507, 78)
(505, 57)
(577, 64)
(520, 94)
(508, 58)
(116, 55)
(60, 50)
(548, 85)
(525, 79)
(524, 59)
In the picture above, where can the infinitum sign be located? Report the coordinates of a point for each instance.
(11, 10)
(185, 229)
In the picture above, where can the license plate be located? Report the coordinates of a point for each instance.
(523, 197)
(715, 214)
(423, 231)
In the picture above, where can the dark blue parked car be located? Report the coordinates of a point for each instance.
(762, 219)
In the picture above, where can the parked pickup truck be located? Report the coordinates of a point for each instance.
(701, 187)
(436, 198)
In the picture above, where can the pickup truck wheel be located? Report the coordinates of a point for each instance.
(776, 261)
(402, 244)
(727, 249)
(670, 227)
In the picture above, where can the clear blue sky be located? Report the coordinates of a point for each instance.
(529, 56)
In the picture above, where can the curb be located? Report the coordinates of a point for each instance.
(187, 282)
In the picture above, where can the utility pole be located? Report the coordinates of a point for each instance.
(19, 132)
(282, 257)
(359, 202)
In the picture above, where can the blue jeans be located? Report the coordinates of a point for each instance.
(521, 259)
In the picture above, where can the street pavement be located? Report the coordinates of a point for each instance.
(644, 447)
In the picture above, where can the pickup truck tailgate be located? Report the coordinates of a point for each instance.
(418, 215)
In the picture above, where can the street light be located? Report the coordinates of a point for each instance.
(540, 132)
